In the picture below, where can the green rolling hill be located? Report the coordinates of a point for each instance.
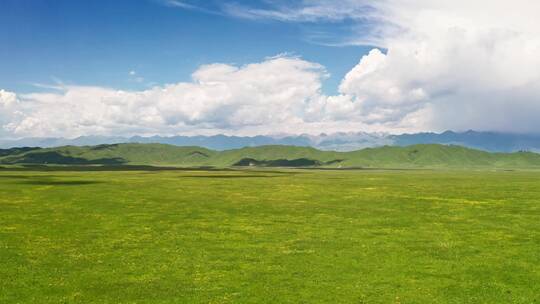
(415, 156)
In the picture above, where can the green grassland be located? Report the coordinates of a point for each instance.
(416, 156)
(270, 236)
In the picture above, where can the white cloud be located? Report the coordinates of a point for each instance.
(268, 97)
(449, 64)
(7, 99)
(281, 94)
(9, 112)
(472, 64)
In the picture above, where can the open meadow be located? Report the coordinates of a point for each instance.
(270, 236)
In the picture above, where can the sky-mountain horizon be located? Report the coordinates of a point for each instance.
(487, 141)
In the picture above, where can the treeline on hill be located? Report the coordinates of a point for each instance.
(415, 156)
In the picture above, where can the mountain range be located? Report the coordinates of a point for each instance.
(487, 141)
(414, 156)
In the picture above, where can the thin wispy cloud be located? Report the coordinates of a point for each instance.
(183, 4)
(349, 17)
(47, 86)
(348, 13)
(303, 11)
(179, 3)
(135, 77)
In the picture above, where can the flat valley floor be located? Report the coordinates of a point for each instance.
(264, 236)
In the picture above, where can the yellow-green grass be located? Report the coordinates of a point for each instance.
(295, 236)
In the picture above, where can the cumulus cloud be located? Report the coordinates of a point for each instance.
(9, 111)
(469, 65)
(445, 65)
(7, 99)
(267, 97)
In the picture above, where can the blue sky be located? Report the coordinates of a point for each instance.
(100, 42)
(165, 67)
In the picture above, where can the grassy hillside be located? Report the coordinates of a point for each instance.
(434, 155)
(135, 154)
(416, 156)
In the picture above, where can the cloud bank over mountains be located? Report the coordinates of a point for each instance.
(278, 95)
(437, 65)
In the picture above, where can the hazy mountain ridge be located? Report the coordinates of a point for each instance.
(415, 156)
(488, 141)
(338, 141)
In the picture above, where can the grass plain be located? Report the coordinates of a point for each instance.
(270, 236)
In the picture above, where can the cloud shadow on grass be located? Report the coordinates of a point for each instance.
(44, 182)
(29, 176)
(229, 176)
